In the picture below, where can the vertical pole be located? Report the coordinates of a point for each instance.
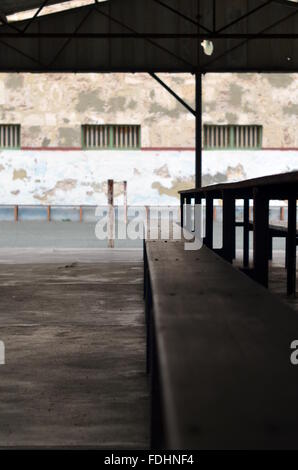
(16, 213)
(125, 201)
(198, 165)
(111, 213)
(49, 213)
(291, 245)
(261, 237)
(81, 214)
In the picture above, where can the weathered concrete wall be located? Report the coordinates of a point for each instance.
(51, 108)
(78, 177)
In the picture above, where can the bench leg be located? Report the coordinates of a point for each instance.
(157, 437)
(209, 221)
(270, 247)
(229, 229)
(188, 221)
(246, 233)
(148, 308)
(261, 237)
(291, 246)
(181, 210)
(148, 320)
(145, 269)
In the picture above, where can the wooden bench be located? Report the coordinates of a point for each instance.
(219, 354)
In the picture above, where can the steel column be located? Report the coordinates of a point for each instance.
(198, 164)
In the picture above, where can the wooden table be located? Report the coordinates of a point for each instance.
(275, 187)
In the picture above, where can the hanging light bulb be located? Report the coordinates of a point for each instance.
(207, 46)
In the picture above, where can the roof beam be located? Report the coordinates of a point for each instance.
(177, 97)
(77, 35)
(185, 17)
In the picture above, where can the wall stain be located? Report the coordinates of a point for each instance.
(46, 142)
(218, 177)
(236, 172)
(156, 108)
(232, 173)
(116, 104)
(235, 94)
(163, 171)
(89, 100)
(15, 81)
(178, 184)
(231, 118)
(292, 109)
(34, 131)
(103, 188)
(280, 80)
(20, 174)
(62, 185)
(132, 104)
(68, 137)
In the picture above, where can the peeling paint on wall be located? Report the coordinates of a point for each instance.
(80, 177)
(163, 171)
(69, 137)
(52, 107)
(19, 174)
(291, 109)
(280, 80)
(176, 185)
(14, 81)
(89, 100)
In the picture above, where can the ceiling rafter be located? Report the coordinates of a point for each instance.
(179, 38)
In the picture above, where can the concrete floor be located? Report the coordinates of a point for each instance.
(75, 355)
(72, 319)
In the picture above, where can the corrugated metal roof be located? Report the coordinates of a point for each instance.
(156, 36)
(12, 6)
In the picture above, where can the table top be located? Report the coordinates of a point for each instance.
(280, 180)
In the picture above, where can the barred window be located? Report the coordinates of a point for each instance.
(10, 136)
(111, 136)
(233, 136)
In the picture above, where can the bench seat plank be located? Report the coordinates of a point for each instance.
(223, 348)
